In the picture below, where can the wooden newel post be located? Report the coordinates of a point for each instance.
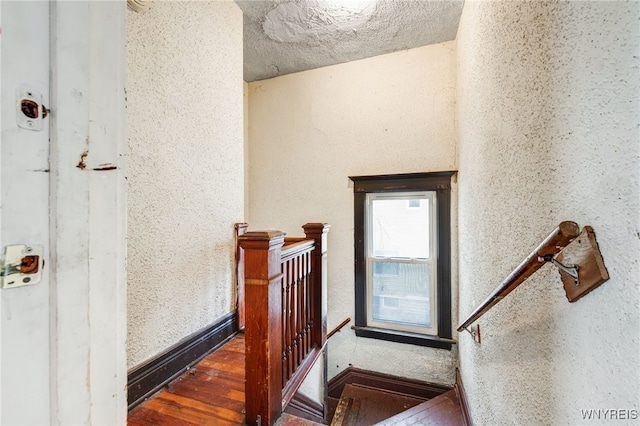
(318, 232)
(241, 229)
(263, 331)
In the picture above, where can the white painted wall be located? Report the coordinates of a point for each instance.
(186, 170)
(309, 131)
(548, 112)
(88, 213)
(245, 158)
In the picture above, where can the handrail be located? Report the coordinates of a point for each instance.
(293, 249)
(552, 245)
(292, 240)
(338, 327)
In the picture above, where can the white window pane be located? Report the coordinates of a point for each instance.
(401, 293)
(400, 227)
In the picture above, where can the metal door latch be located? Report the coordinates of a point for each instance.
(30, 112)
(21, 265)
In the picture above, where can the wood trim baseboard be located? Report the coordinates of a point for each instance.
(149, 377)
(305, 407)
(411, 387)
(462, 397)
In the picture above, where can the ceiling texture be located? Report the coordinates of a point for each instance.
(287, 36)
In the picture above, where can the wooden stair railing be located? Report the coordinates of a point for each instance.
(552, 245)
(566, 242)
(285, 301)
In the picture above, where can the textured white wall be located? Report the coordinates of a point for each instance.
(309, 131)
(245, 116)
(548, 110)
(186, 169)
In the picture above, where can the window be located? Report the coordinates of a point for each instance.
(402, 258)
(400, 261)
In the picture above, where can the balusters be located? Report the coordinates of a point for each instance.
(312, 303)
(303, 306)
(304, 285)
(287, 317)
(297, 318)
(318, 232)
(286, 347)
(295, 313)
(307, 300)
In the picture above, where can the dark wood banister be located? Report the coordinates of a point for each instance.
(292, 249)
(286, 315)
(552, 245)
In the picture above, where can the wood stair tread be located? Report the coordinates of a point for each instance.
(443, 410)
(287, 419)
(363, 405)
(332, 405)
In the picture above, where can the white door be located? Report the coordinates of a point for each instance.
(24, 210)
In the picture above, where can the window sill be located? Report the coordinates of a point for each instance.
(404, 337)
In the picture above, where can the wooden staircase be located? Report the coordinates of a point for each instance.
(362, 405)
(444, 410)
(287, 419)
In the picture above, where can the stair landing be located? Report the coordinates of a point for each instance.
(364, 406)
(288, 420)
(444, 410)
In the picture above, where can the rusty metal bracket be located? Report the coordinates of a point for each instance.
(474, 332)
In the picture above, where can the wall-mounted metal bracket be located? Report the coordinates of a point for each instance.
(583, 252)
(474, 331)
(571, 270)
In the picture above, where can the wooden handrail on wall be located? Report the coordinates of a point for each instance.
(551, 246)
(339, 327)
(285, 315)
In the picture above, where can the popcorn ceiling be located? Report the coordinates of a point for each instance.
(308, 22)
(284, 37)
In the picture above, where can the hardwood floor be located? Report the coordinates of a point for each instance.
(211, 393)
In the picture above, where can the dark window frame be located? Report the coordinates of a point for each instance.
(440, 182)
